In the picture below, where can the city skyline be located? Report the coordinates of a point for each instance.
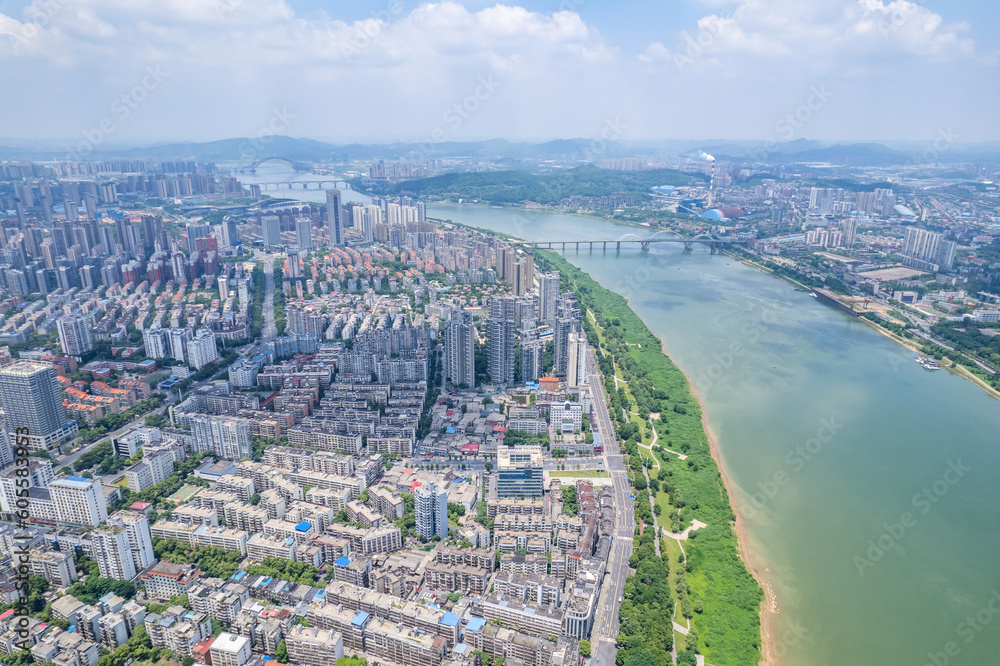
(534, 71)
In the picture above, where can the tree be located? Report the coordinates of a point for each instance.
(281, 654)
(489, 466)
(584, 648)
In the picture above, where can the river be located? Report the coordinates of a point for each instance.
(868, 485)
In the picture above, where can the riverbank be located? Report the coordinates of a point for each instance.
(769, 605)
(909, 344)
(727, 598)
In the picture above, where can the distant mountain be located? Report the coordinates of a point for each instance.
(248, 149)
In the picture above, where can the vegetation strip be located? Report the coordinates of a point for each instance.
(712, 585)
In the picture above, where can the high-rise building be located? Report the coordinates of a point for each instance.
(303, 233)
(178, 339)
(123, 548)
(270, 230)
(927, 250)
(850, 230)
(519, 471)
(156, 342)
(201, 349)
(223, 283)
(524, 276)
(334, 218)
(430, 505)
(500, 340)
(459, 350)
(32, 401)
(194, 232)
(74, 334)
(111, 551)
(567, 321)
(576, 368)
(532, 350)
(227, 436)
(79, 502)
(548, 294)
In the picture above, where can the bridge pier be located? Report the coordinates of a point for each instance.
(645, 246)
(605, 246)
(591, 246)
(618, 246)
(688, 246)
(564, 246)
(578, 246)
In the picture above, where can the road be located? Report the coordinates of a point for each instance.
(606, 618)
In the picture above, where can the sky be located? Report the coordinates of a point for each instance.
(118, 72)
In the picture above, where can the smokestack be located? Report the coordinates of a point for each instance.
(711, 183)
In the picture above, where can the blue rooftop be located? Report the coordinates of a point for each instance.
(77, 478)
(343, 561)
(304, 526)
(450, 620)
(475, 624)
(360, 619)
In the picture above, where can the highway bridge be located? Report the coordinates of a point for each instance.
(305, 184)
(712, 242)
(295, 164)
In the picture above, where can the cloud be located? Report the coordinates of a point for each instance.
(839, 31)
(399, 72)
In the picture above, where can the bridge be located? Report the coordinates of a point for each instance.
(338, 183)
(714, 244)
(295, 164)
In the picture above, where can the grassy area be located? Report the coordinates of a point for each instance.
(728, 599)
(581, 473)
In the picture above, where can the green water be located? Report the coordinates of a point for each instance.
(777, 370)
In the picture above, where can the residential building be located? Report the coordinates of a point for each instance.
(460, 340)
(32, 401)
(226, 436)
(74, 334)
(430, 505)
(231, 650)
(334, 218)
(313, 646)
(79, 502)
(201, 349)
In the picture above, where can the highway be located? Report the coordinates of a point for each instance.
(606, 616)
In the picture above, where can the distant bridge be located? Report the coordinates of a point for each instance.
(295, 164)
(291, 184)
(713, 243)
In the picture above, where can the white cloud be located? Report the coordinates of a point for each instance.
(837, 30)
(397, 73)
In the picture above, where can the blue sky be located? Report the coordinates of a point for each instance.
(122, 71)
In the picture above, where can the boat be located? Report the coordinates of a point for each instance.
(928, 363)
(813, 294)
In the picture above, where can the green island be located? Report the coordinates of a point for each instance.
(707, 584)
(516, 187)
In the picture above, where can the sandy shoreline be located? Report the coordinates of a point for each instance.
(767, 650)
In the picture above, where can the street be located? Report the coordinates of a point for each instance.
(605, 628)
